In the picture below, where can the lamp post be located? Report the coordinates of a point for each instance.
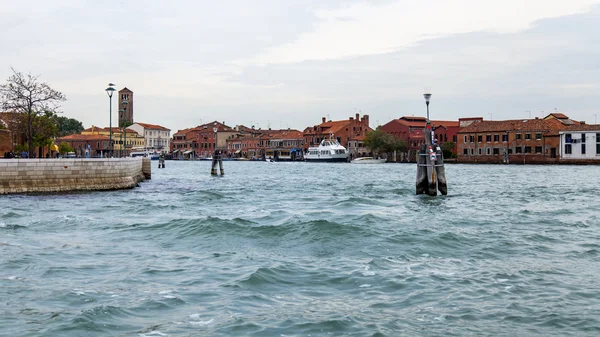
(110, 91)
(124, 104)
(427, 96)
(215, 132)
(121, 113)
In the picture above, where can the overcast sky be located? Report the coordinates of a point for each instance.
(287, 63)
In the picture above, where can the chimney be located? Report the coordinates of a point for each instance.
(323, 119)
(357, 117)
(351, 119)
(366, 119)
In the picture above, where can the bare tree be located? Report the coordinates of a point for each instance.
(24, 94)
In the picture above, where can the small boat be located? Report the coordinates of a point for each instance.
(367, 160)
(329, 150)
(152, 155)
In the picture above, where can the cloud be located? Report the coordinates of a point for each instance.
(367, 29)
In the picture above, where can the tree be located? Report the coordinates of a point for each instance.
(25, 95)
(379, 141)
(44, 131)
(448, 149)
(65, 148)
(67, 126)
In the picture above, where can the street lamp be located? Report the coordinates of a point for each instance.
(215, 131)
(124, 104)
(110, 91)
(427, 96)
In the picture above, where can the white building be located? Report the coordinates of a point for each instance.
(580, 143)
(156, 137)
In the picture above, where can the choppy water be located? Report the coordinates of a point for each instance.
(302, 249)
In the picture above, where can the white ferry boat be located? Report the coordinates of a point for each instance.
(329, 150)
(152, 155)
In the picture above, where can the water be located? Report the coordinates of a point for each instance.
(303, 249)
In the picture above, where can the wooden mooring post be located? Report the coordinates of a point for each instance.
(161, 160)
(217, 158)
(431, 175)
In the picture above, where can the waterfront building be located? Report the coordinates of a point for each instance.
(513, 141)
(95, 142)
(410, 130)
(580, 143)
(156, 137)
(134, 140)
(342, 130)
(200, 141)
(6, 139)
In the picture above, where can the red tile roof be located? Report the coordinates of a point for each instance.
(153, 126)
(542, 125)
(84, 137)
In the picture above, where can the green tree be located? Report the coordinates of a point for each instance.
(65, 148)
(382, 142)
(67, 126)
(24, 94)
(44, 131)
(448, 150)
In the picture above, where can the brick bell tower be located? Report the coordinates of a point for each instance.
(126, 95)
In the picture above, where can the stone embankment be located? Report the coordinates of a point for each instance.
(62, 175)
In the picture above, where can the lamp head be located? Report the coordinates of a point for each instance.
(427, 96)
(110, 91)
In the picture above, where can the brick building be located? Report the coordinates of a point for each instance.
(200, 140)
(410, 129)
(79, 142)
(513, 141)
(342, 130)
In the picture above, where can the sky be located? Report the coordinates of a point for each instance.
(280, 64)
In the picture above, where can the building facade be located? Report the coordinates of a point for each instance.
(580, 143)
(511, 141)
(201, 140)
(410, 129)
(342, 130)
(156, 137)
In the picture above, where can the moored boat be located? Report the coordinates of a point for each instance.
(368, 160)
(329, 150)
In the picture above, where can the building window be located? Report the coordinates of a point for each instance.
(527, 149)
(538, 149)
(568, 149)
(454, 138)
(517, 136)
(582, 148)
(472, 139)
(505, 138)
(479, 151)
(487, 151)
(472, 152)
(479, 137)
(598, 149)
(568, 138)
(496, 138)
(509, 151)
(538, 136)
(465, 152)
(583, 137)
(528, 136)
(488, 138)
(518, 149)
(496, 151)
(466, 141)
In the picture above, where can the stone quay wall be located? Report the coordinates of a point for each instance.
(65, 174)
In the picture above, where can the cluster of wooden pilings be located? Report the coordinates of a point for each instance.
(217, 159)
(161, 160)
(430, 167)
